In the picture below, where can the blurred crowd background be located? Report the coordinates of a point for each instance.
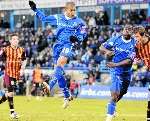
(38, 45)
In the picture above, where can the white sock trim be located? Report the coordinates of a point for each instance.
(109, 115)
(12, 109)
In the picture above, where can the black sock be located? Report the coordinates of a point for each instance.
(3, 99)
(148, 111)
(11, 104)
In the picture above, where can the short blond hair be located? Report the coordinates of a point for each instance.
(139, 29)
(69, 4)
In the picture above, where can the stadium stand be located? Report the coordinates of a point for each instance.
(38, 44)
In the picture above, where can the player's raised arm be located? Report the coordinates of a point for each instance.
(52, 19)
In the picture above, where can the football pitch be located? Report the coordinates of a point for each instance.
(50, 109)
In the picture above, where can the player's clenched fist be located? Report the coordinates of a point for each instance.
(32, 5)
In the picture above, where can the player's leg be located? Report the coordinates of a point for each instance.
(61, 55)
(3, 98)
(59, 74)
(38, 91)
(10, 95)
(148, 105)
(33, 89)
(6, 84)
(28, 90)
(11, 98)
(66, 54)
(125, 79)
(47, 87)
(111, 107)
(115, 91)
(124, 88)
(52, 83)
(148, 111)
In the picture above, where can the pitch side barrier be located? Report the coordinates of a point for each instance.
(103, 92)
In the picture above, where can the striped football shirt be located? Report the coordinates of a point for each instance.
(143, 52)
(13, 60)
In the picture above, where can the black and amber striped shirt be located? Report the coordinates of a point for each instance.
(143, 52)
(13, 60)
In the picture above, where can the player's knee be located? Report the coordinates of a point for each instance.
(10, 94)
(114, 97)
(62, 61)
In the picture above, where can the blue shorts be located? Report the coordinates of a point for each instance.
(66, 50)
(120, 82)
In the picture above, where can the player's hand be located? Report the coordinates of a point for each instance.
(109, 55)
(111, 64)
(32, 5)
(73, 39)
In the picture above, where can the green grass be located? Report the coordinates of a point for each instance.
(49, 109)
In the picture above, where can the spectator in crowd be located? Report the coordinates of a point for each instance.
(91, 79)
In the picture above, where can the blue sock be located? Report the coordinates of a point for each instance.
(52, 83)
(111, 108)
(59, 74)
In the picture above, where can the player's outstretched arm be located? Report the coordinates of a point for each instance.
(52, 19)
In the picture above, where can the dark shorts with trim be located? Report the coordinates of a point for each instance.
(9, 82)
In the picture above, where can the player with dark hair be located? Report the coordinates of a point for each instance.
(70, 33)
(122, 51)
(14, 66)
(143, 53)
